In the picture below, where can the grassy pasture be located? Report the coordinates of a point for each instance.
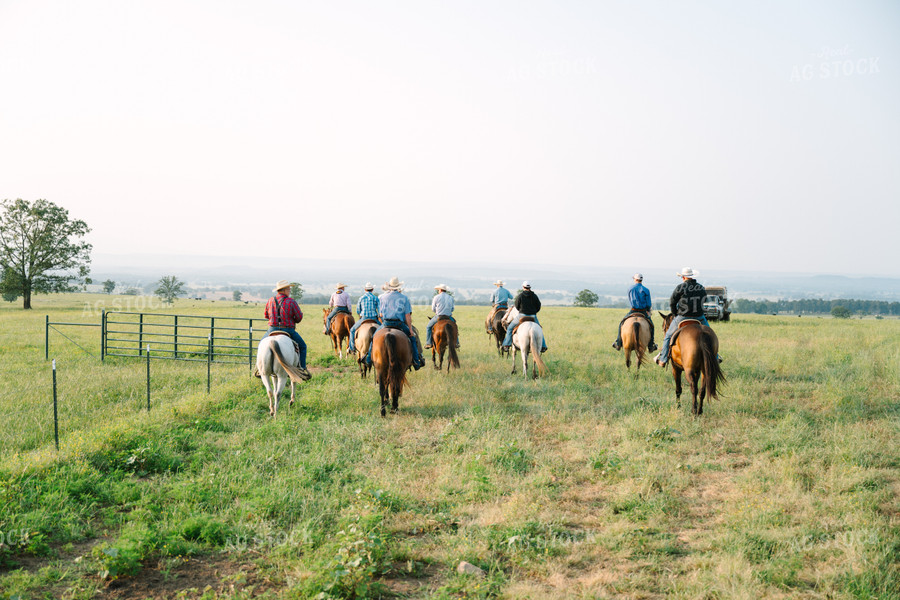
(589, 483)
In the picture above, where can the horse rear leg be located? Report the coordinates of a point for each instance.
(515, 354)
(628, 358)
(693, 376)
(382, 390)
(676, 373)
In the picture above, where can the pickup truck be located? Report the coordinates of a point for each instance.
(716, 303)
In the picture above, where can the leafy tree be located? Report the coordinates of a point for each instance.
(168, 288)
(43, 248)
(586, 298)
(840, 312)
(236, 295)
(296, 291)
(108, 286)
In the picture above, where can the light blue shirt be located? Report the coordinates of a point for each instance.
(501, 296)
(395, 306)
(442, 304)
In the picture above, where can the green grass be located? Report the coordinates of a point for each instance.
(589, 483)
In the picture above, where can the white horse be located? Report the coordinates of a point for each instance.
(528, 339)
(276, 358)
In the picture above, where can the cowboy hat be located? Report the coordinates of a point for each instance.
(526, 285)
(638, 277)
(394, 284)
(499, 282)
(283, 283)
(340, 286)
(688, 272)
(368, 287)
(442, 286)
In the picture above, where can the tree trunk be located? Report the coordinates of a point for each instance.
(26, 299)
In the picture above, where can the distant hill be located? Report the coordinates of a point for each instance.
(219, 276)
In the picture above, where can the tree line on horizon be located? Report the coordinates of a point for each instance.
(816, 306)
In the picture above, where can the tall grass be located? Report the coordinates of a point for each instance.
(588, 483)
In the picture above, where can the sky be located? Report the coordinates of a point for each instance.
(758, 136)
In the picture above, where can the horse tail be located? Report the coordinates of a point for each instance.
(292, 371)
(712, 372)
(636, 332)
(268, 360)
(396, 372)
(452, 336)
(536, 350)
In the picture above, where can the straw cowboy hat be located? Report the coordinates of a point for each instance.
(526, 285)
(688, 272)
(638, 277)
(443, 287)
(499, 282)
(394, 284)
(368, 287)
(282, 284)
(340, 286)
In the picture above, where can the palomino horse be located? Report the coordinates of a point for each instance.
(527, 339)
(276, 359)
(497, 326)
(635, 337)
(694, 350)
(363, 340)
(445, 334)
(391, 357)
(340, 330)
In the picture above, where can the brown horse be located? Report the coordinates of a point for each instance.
(340, 330)
(445, 335)
(694, 350)
(635, 337)
(391, 357)
(497, 329)
(362, 342)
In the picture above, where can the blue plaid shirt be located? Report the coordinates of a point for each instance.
(367, 307)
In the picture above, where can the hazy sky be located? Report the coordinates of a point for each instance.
(721, 135)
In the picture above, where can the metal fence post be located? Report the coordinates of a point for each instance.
(176, 336)
(148, 377)
(102, 334)
(141, 334)
(208, 360)
(55, 413)
(212, 337)
(250, 346)
(46, 337)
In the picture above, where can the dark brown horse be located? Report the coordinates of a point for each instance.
(340, 330)
(445, 334)
(694, 350)
(498, 330)
(391, 357)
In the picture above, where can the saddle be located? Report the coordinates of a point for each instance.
(369, 320)
(523, 320)
(296, 345)
(443, 317)
(680, 327)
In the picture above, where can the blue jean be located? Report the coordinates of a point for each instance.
(507, 341)
(673, 327)
(429, 337)
(296, 337)
(355, 327)
(401, 325)
(331, 315)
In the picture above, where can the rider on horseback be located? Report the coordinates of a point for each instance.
(339, 302)
(639, 298)
(499, 301)
(367, 309)
(687, 303)
(283, 314)
(396, 311)
(528, 305)
(441, 306)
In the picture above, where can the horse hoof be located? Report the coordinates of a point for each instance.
(394, 411)
(383, 413)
